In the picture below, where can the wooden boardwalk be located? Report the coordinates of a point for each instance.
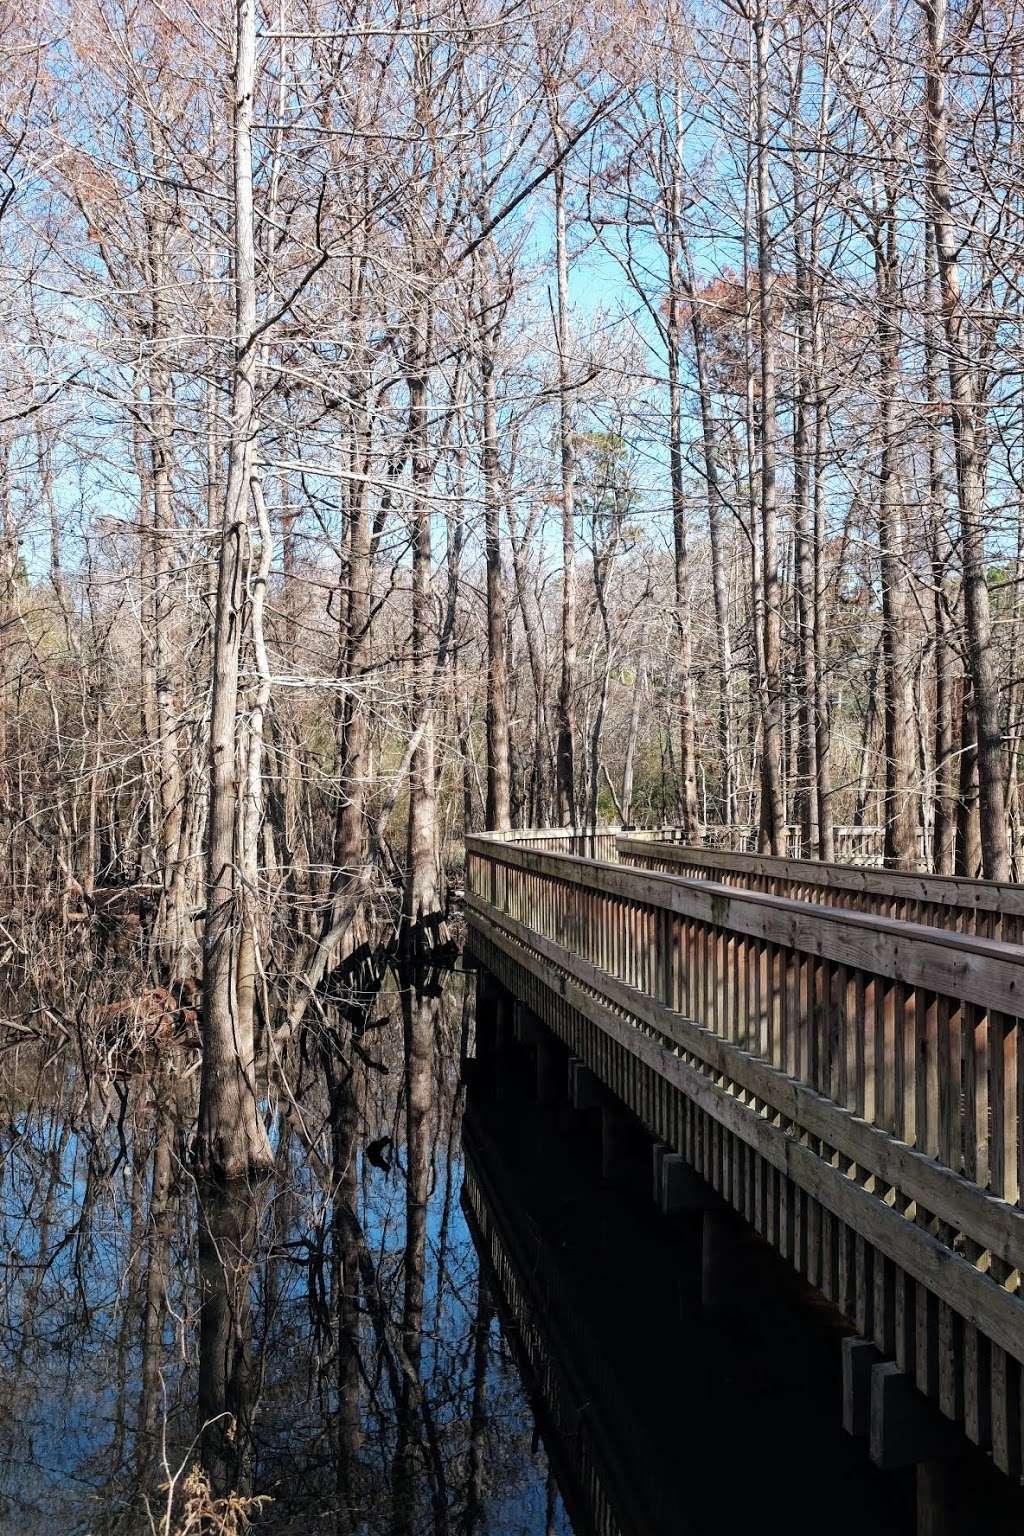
(834, 1051)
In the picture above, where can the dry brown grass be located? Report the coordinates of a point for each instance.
(202, 1514)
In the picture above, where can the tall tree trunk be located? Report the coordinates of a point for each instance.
(947, 714)
(498, 816)
(968, 824)
(773, 807)
(682, 279)
(719, 579)
(690, 820)
(350, 831)
(565, 761)
(8, 619)
(970, 475)
(422, 893)
(540, 777)
(232, 1139)
(147, 668)
(805, 536)
(822, 716)
(900, 817)
(171, 929)
(626, 803)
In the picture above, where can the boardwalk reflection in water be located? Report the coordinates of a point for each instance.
(656, 1417)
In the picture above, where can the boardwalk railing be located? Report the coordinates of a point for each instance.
(855, 845)
(587, 842)
(858, 845)
(982, 907)
(848, 1082)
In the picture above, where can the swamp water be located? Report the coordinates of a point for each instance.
(434, 1318)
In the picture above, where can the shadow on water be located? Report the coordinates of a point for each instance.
(434, 1317)
(657, 1416)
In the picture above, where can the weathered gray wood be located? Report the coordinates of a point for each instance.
(859, 1360)
(995, 1224)
(848, 879)
(970, 1292)
(983, 971)
(848, 1083)
(905, 1427)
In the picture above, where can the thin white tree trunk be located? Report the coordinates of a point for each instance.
(232, 1140)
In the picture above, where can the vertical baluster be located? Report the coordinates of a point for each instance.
(804, 1006)
(763, 980)
(1006, 1412)
(905, 1040)
(714, 981)
(885, 1053)
(839, 1087)
(737, 968)
(700, 975)
(778, 1004)
(949, 1139)
(816, 1020)
(869, 1049)
(975, 1074)
(664, 990)
(751, 962)
(1003, 1164)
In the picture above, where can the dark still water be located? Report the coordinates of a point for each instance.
(435, 1318)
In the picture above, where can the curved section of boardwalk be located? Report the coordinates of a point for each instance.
(847, 1082)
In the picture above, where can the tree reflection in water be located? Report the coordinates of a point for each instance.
(323, 1341)
(229, 1229)
(333, 1347)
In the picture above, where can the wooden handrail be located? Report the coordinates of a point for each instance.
(587, 842)
(985, 907)
(988, 972)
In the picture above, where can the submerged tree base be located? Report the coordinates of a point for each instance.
(229, 1228)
